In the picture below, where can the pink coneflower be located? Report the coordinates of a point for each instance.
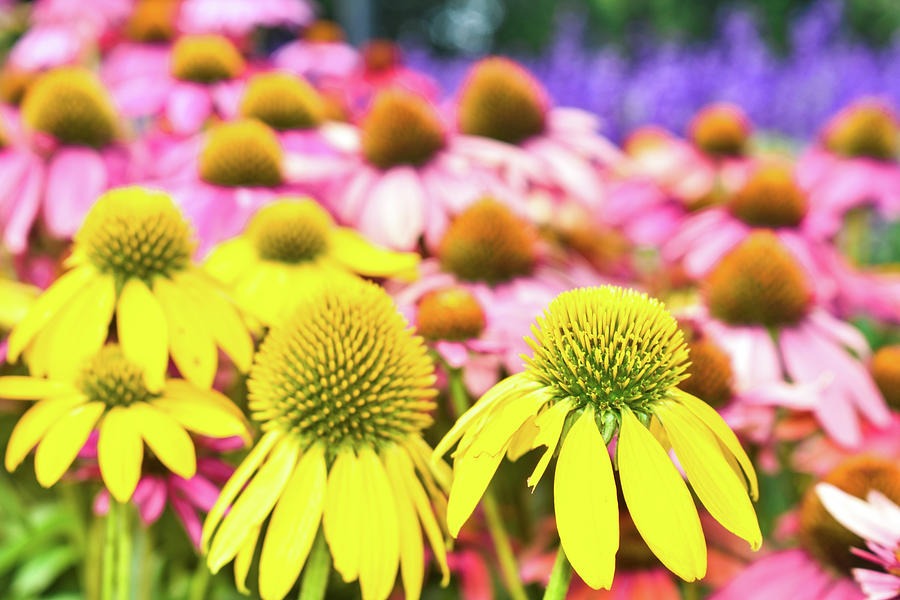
(511, 126)
(238, 18)
(403, 176)
(186, 83)
(877, 522)
(46, 46)
(320, 54)
(820, 567)
(93, 18)
(68, 155)
(764, 313)
(853, 166)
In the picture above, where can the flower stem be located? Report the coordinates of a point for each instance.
(505, 556)
(109, 552)
(316, 571)
(560, 577)
(124, 553)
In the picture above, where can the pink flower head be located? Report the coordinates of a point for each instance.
(402, 176)
(320, 55)
(763, 312)
(238, 18)
(508, 123)
(65, 156)
(855, 165)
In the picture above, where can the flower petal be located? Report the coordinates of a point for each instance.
(142, 330)
(120, 451)
(190, 342)
(471, 476)
(354, 252)
(36, 421)
(550, 423)
(22, 387)
(412, 557)
(341, 519)
(379, 544)
(203, 417)
(167, 439)
(244, 559)
(63, 440)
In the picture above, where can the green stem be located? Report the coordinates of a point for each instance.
(199, 581)
(560, 577)
(509, 569)
(123, 560)
(109, 551)
(316, 571)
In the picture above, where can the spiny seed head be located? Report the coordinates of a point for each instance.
(112, 379)
(206, 58)
(345, 370)
(608, 346)
(758, 283)
(323, 31)
(70, 104)
(283, 101)
(885, 367)
(487, 242)
(770, 198)
(290, 231)
(152, 21)
(135, 232)
(720, 130)
(243, 153)
(401, 128)
(502, 101)
(710, 377)
(867, 128)
(820, 534)
(451, 313)
(645, 139)
(14, 83)
(381, 55)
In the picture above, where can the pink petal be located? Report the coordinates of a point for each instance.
(75, 178)
(189, 106)
(22, 206)
(394, 213)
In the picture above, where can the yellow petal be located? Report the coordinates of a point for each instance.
(398, 462)
(19, 387)
(244, 559)
(15, 300)
(190, 342)
(236, 483)
(142, 330)
(713, 480)
(293, 526)
(35, 423)
(254, 503)
(79, 330)
(341, 520)
(659, 502)
(45, 308)
(222, 319)
(522, 440)
(471, 476)
(550, 424)
(184, 391)
(356, 254)
(586, 504)
(203, 417)
(505, 421)
(120, 451)
(412, 558)
(379, 548)
(726, 436)
(166, 438)
(62, 442)
(227, 261)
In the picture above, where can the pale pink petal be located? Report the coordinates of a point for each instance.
(394, 211)
(75, 178)
(20, 207)
(188, 108)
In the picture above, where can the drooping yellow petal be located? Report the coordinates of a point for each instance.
(356, 254)
(659, 502)
(61, 443)
(230, 259)
(166, 438)
(522, 440)
(412, 553)
(45, 308)
(471, 476)
(34, 424)
(202, 417)
(15, 301)
(244, 559)
(236, 483)
(143, 332)
(341, 520)
(379, 548)
(254, 503)
(711, 419)
(222, 319)
(184, 391)
(19, 387)
(120, 451)
(190, 342)
(497, 433)
(550, 425)
(713, 480)
(586, 504)
(80, 328)
(400, 462)
(293, 526)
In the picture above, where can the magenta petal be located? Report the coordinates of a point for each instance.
(101, 502)
(152, 508)
(76, 177)
(188, 108)
(188, 518)
(22, 207)
(198, 490)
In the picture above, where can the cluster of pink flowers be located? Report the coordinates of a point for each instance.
(510, 200)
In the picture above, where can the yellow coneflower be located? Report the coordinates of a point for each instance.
(608, 360)
(109, 393)
(341, 391)
(206, 58)
(132, 261)
(283, 101)
(290, 249)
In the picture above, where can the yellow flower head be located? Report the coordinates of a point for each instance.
(290, 249)
(401, 128)
(152, 21)
(770, 197)
(206, 58)
(109, 393)
(283, 101)
(885, 368)
(342, 392)
(243, 153)
(131, 260)
(608, 361)
(867, 128)
(721, 130)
